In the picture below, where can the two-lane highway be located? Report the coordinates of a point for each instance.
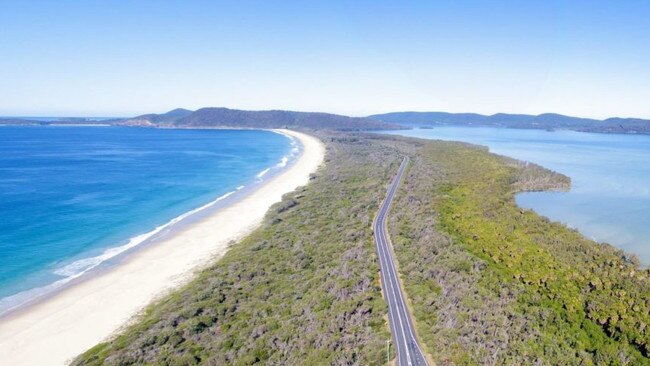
(408, 350)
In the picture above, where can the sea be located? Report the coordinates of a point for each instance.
(75, 199)
(610, 196)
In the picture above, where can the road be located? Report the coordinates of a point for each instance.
(406, 345)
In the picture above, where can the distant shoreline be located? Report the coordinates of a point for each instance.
(220, 117)
(70, 321)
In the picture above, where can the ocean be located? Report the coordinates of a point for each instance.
(74, 199)
(610, 196)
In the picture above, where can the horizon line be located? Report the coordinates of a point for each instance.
(125, 115)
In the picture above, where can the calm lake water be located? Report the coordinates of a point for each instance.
(610, 196)
(72, 198)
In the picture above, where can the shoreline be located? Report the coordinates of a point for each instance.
(67, 323)
(112, 256)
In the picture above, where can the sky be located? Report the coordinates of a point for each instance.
(124, 58)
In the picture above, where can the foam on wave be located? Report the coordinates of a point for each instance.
(80, 267)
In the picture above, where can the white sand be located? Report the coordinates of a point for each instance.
(61, 327)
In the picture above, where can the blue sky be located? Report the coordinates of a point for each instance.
(108, 58)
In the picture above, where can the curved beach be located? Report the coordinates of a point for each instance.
(66, 324)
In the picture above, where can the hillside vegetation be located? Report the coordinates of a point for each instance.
(235, 118)
(489, 283)
(224, 117)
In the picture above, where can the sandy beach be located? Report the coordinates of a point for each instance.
(57, 329)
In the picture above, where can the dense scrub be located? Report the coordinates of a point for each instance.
(492, 284)
(303, 289)
(488, 282)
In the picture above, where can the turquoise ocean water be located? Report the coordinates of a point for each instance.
(75, 198)
(610, 196)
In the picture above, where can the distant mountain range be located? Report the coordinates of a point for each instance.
(224, 118)
(234, 118)
(548, 121)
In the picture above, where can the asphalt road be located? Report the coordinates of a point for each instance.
(404, 340)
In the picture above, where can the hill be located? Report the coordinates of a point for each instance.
(153, 120)
(235, 118)
(228, 118)
(548, 121)
(224, 117)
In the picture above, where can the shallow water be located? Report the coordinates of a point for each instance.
(610, 196)
(74, 197)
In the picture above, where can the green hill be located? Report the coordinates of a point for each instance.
(234, 118)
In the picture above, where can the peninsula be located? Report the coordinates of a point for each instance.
(485, 281)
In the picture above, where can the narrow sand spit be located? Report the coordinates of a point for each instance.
(59, 328)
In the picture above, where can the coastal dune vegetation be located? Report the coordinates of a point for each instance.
(488, 283)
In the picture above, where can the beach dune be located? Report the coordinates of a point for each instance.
(57, 329)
